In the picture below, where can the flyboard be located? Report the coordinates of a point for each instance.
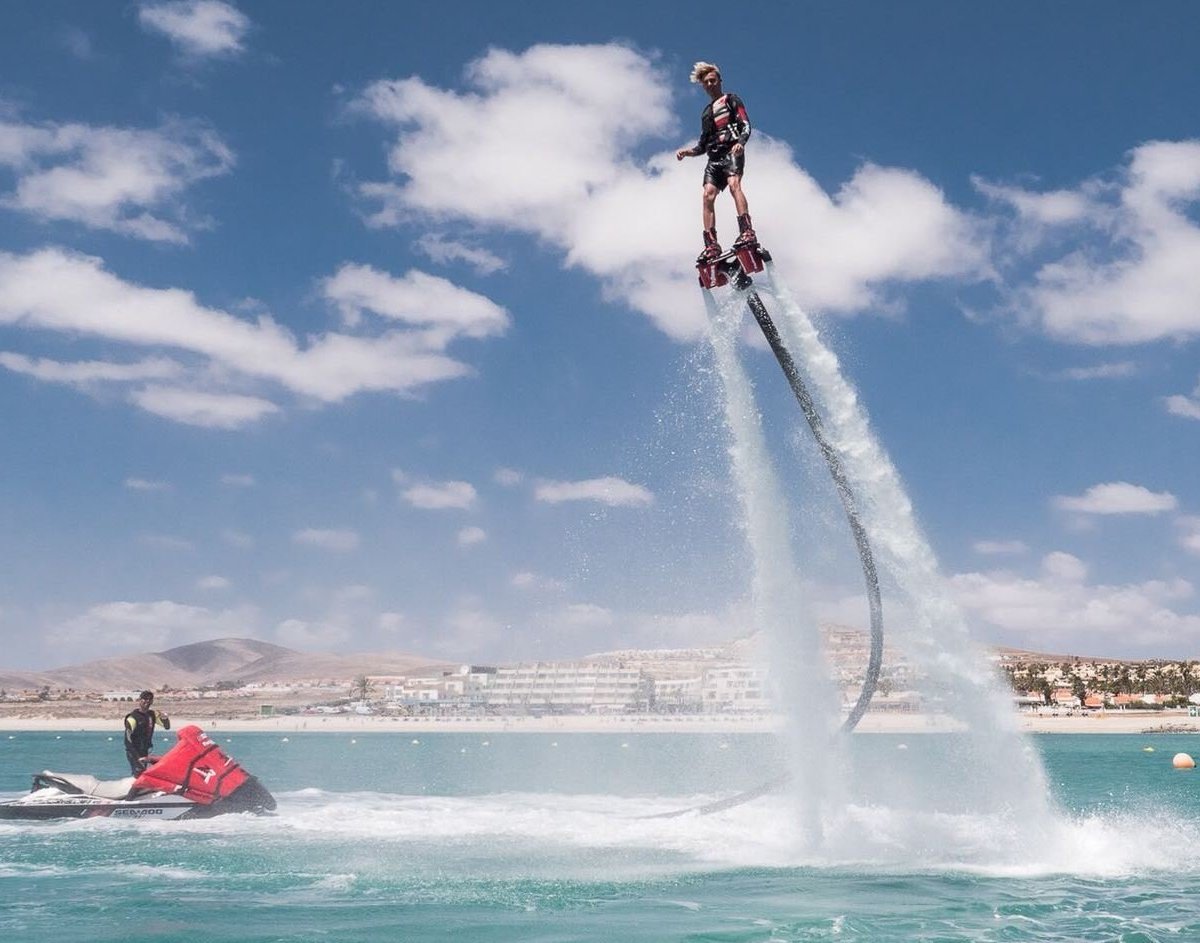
(736, 267)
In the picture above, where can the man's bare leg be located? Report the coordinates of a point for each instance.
(708, 199)
(739, 198)
(746, 234)
(708, 210)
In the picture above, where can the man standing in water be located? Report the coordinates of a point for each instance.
(724, 131)
(139, 731)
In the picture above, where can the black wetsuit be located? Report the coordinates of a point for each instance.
(139, 735)
(723, 124)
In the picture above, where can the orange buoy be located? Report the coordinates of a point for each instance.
(1183, 761)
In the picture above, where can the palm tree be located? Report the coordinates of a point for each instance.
(360, 688)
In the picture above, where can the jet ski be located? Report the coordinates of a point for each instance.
(195, 779)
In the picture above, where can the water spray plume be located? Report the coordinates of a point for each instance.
(780, 616)
(997, 759)
(989, 770)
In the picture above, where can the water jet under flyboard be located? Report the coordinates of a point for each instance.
(736, 268)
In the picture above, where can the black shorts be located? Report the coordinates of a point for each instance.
(721, 168)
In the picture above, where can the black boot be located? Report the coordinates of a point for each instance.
(712, 248)
(746, 236)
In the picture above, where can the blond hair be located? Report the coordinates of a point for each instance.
(701, 69)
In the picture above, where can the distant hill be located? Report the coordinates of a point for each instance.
(749, 647)
(207, 663)
(1020, 654)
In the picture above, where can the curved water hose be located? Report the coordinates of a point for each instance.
(834, 463)
(866, 558)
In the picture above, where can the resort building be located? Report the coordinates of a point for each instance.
(566, 687)
(734, 688)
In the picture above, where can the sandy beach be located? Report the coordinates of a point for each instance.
(1121, 722)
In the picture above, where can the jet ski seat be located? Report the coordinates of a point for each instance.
(84, 784)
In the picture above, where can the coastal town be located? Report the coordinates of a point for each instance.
(729, 681)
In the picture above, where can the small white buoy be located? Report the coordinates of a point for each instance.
(352, 740)
(1147, 749)
(463, 750)
(58, 737)
(286, 740)
(110, 738)
(901, 746)
(624, 746)
(1183, 761)
(724, 746)
(416, 743)
(554, 744)
(486, 743)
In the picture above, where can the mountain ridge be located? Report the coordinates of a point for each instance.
(212, 662)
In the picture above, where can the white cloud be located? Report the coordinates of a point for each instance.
(90, 372)
(615, 492)
(446, 310)
(683, 629)
(187, 406)
(437, 495)
(149, 626)
(1063, 612)
(238, 481)
(127, 181)
(145, 484)
(636, 225)
(1119, 497)
(999, 547)
(73, 295)
(471, 163)
(1100, 371)
(198, 27)
(444, 251)
(1184, 406)
(390, 622)
(1130, 270)
(527, 580)
(584, 616)
(1064, 567)
(470, 536)
(468, 630)
(213, 582)
(197, 408)
(340, 541)
(309, 636)
(1053, 208)
(1189, 536)
(507, 477)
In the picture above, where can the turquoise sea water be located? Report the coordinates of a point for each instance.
(538, 837)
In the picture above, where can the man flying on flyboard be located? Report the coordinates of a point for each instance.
(724, 131)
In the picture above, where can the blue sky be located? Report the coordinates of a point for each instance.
(374, 328)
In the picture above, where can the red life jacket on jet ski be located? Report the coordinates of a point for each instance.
(195, 768)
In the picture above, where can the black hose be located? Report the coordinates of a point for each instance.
(866, 558)
(842, 483)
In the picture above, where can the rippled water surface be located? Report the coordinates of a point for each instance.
(547, 838)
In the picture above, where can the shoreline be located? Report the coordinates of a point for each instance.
(1111, 722)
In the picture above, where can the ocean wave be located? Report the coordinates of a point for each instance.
(489, 833)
